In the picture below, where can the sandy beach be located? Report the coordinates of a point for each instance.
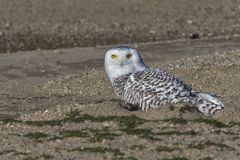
(57, 103)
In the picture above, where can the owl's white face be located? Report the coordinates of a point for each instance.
(122, 60)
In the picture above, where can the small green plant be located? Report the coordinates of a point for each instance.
(15, 152)
(116, 152)
(74, 133)
(203, 145)
(35, 135)
(191, 132)
(94, 135)
(99, 135)
(125, 158)
(176, 120)
(43, 123)
(175, 158)
(206, 158)
(225, 132)
(131, 121)
(211, 122)
(165, 149)
(140, 147)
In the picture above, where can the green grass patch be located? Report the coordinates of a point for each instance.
(74, 133)
(175, 158)
(206, 158)
(29, 158)
(191, 132)
(76, 117)
(14, 152)
(234, 138)
(208, 121)
(144, 132)
(234, 124)
(176, 120)
(211, 122)
(35, 123)
(204, 145)
(100, 135)
(149, 134)
(141, 132)
(35, 135)
(130, 121)
(116, 152)
(45, 156)
(127, 124)
(124, 121)
(94, 135)
(44, 123)
(10, 120)
(125, 158)
(42, 156)
(228, 133)
(165, 149)
(139, 147)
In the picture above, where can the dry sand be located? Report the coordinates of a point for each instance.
(59, 105)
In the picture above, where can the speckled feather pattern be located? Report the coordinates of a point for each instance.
(152, 88)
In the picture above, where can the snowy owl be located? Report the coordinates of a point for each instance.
(139, 85)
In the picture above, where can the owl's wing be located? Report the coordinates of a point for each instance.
(153, 87)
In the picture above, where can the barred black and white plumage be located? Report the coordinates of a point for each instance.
(137, 84)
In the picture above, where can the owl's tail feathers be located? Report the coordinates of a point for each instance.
(207, 103)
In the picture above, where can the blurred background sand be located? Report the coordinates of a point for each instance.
(28, 24)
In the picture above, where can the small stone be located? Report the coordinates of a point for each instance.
(58, 62)
(194, 36)
(152, 32)
(210, 34)
(227, 37)
(58, 141)
(190, 22)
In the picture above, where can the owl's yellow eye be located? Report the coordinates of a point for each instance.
(114, 56)
(128, 56)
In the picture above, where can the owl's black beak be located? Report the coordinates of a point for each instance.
(124, 63)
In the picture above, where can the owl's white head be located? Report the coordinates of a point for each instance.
(122, 60)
